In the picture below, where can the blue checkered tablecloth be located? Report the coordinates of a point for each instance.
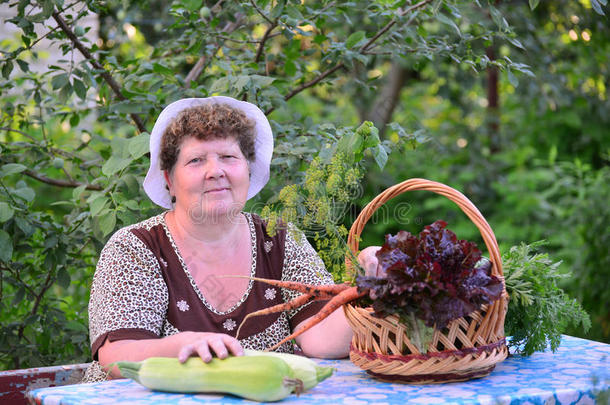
(577, 373)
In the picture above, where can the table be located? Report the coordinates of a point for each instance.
(577, 373)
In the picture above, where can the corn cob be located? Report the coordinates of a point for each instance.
(258, 378)
(304, 368)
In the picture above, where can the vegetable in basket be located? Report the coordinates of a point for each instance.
(430, 280)
(433, 276)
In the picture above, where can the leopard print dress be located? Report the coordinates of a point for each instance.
(142, 289)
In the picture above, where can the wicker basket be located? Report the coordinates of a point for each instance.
(467, 348)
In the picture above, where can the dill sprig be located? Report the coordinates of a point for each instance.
(538, 310)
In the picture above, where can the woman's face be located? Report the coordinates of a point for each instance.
(210, 178)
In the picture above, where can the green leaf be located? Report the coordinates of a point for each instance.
(80, 89)
(11, 168)
(65, 93)
(97, 205)
(159, 68)
(192, 5)
(515, 42)
(139, 145)
(132, 205)
(446, 20)
(290, 68)
(47, 8)
(76, 193)
(241, 82)
(278, 9)
(76, 326)
(19, 294)
(51, 242)
(128, 107)
(6, 253)
(25, 193)
(262, 81)
(354, 39)
(115, 164)
(6, 212)
(63, 278)
(23, 65)
(7, 68)
(381, 156)
(350, 144)
(74, 120)
(498, 18)
(512, 78)
(132, 183)
(59, 81)
(94, 196)
(25, 226)
(220, 85)
(534, 4)
(107, 222)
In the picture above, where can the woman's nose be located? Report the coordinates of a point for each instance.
(213, 168)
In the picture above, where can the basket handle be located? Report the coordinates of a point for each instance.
(422, 184)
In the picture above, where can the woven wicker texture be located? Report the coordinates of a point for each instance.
(467, 348)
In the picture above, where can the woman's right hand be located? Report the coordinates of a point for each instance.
(206, 344)
(183, 345)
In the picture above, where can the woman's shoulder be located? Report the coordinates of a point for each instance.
(127, 232)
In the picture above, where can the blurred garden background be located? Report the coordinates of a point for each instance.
(506, 101)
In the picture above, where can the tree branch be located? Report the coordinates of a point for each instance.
(392, 22)
(60, 183)
(258, 10)
(237, 41)
(30, 137)
(197, 69)
(315, 81)
(47, 284)
(261, 46)
(362, 50)
(105, 75)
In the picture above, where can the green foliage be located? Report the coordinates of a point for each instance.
(318, 203)
(74, 134)
(73, 128)
(539, 311)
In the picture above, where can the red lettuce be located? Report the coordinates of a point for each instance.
(433, 276)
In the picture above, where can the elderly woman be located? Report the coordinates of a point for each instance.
(159, 289)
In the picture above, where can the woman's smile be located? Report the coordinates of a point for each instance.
(216, 190)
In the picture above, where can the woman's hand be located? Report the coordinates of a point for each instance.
(203, 344)
(182, 345)
(369, 262)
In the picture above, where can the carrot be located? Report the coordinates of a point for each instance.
(318, 291)
(338, 300)
(285, 306)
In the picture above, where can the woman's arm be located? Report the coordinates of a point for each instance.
(181, 345)
(330, 339)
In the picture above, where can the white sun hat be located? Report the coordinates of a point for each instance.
(154, 183)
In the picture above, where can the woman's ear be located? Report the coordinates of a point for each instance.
(168, 181)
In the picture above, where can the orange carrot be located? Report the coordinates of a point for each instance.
(318, 291)
(338, 300)
(285, 306)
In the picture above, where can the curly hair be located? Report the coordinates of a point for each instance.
(206, 122)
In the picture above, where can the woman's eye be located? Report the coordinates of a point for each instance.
(227, 156)
(195, 160)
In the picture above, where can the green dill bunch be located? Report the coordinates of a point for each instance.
(539, 311)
